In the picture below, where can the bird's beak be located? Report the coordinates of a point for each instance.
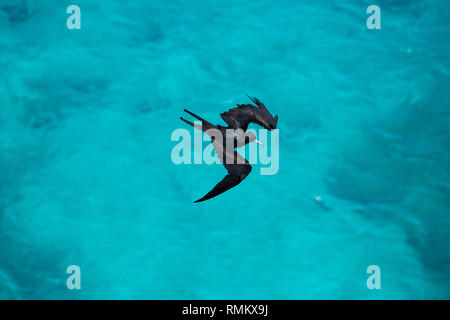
(259, 142)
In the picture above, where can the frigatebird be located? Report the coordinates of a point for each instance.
(234, 136)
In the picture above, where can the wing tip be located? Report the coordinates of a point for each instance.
(200, 200)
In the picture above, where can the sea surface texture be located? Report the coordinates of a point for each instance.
(86, 176)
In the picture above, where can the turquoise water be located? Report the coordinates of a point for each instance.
(85, 171)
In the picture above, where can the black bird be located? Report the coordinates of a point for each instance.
(234, 136)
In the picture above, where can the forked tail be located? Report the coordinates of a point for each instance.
(205, 124)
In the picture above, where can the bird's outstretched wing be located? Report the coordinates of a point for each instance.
(244, 114)
(227, 183)
(237, 172)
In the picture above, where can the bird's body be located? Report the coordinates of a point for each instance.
(226, 139)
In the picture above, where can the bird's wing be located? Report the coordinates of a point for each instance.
(242, 115)
(238, 169)
(227, 183)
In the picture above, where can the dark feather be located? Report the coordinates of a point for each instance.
(227, 183)
(244, 114)
(236, 173)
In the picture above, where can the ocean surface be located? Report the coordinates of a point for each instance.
(86, 176)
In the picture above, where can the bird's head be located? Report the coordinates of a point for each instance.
(250, 137)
